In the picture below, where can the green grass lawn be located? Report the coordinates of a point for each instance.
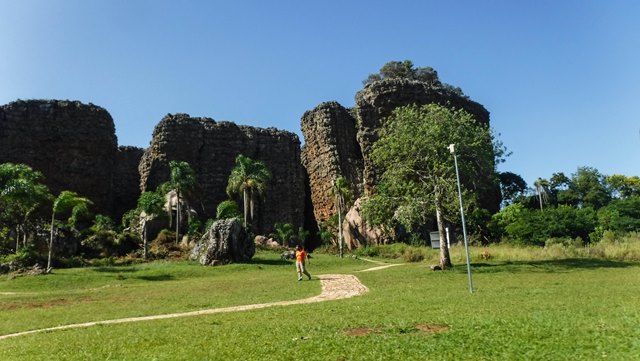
(563, 309)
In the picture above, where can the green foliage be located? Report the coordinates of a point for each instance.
(512, 187)
(22, 196)
(127, 242)
(228, 209)
(325, 234)
(25, 257)
(418, 173)
(182, 177)
(534, 227)
(301, 236)
(405, 70)
(100, 244)
(183, 181)
(151, 203)
(341, 191)
(284, 233)
(195, 228)
(622, 186)
(102, 223)
(621, 215)
(250, 178)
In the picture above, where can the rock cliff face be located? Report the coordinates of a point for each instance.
(71, 143)
(378, 99)
(338, 142)
(126, 180)
(211, 147)
(331, 150)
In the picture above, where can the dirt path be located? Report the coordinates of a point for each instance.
(334, 287)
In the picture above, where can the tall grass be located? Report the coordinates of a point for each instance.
(612, 247)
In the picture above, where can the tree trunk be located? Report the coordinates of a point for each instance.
(53, 218)
(251, 204)
(17, 237)
(245, 202)
(177, 216)
(445, 259)
(144, 239)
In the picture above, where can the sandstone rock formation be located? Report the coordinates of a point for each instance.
(357, 232)
(378, 99)
(331, 150)
(225, 241)
(126, 179)
(338, 142)
(73, 144)
(211, 147)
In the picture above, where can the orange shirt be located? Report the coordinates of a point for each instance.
(301, 255)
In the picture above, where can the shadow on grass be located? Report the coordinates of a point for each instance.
(560, 265)
(115, 269)
(162, 277)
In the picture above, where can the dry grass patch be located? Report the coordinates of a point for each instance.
(423, 328)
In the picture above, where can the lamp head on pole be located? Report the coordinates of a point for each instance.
(452, 148)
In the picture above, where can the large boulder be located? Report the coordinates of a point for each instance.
(357, 232)
(224, 242)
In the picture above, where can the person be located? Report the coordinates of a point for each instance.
(301, 262)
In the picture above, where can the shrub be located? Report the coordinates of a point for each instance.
(164, 246)
(413, 255)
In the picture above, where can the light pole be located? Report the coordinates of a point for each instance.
(452, 149)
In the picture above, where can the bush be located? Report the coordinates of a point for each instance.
(164, 246)
(127, 242)
(413, 255)
(25, 257)
(100, 244)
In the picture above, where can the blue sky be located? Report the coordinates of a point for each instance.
(560, 78)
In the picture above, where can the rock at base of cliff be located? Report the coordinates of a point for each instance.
(357, 232)
(224, 242)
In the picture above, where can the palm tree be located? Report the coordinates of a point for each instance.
(284, 232)
(341, 191)
(182, 181)
(150, 205)
(67, 200)
(249, 177)
(541, 189)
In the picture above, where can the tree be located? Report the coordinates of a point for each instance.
(182, 181)
(512, 187)
(21, 194)
(405, 70)
(590, 188)
(341, 191)
(150, 205)
(418, 176)
(66, 201)
(621, 215)
(541, 189)
(622, 186)
(249, 177)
